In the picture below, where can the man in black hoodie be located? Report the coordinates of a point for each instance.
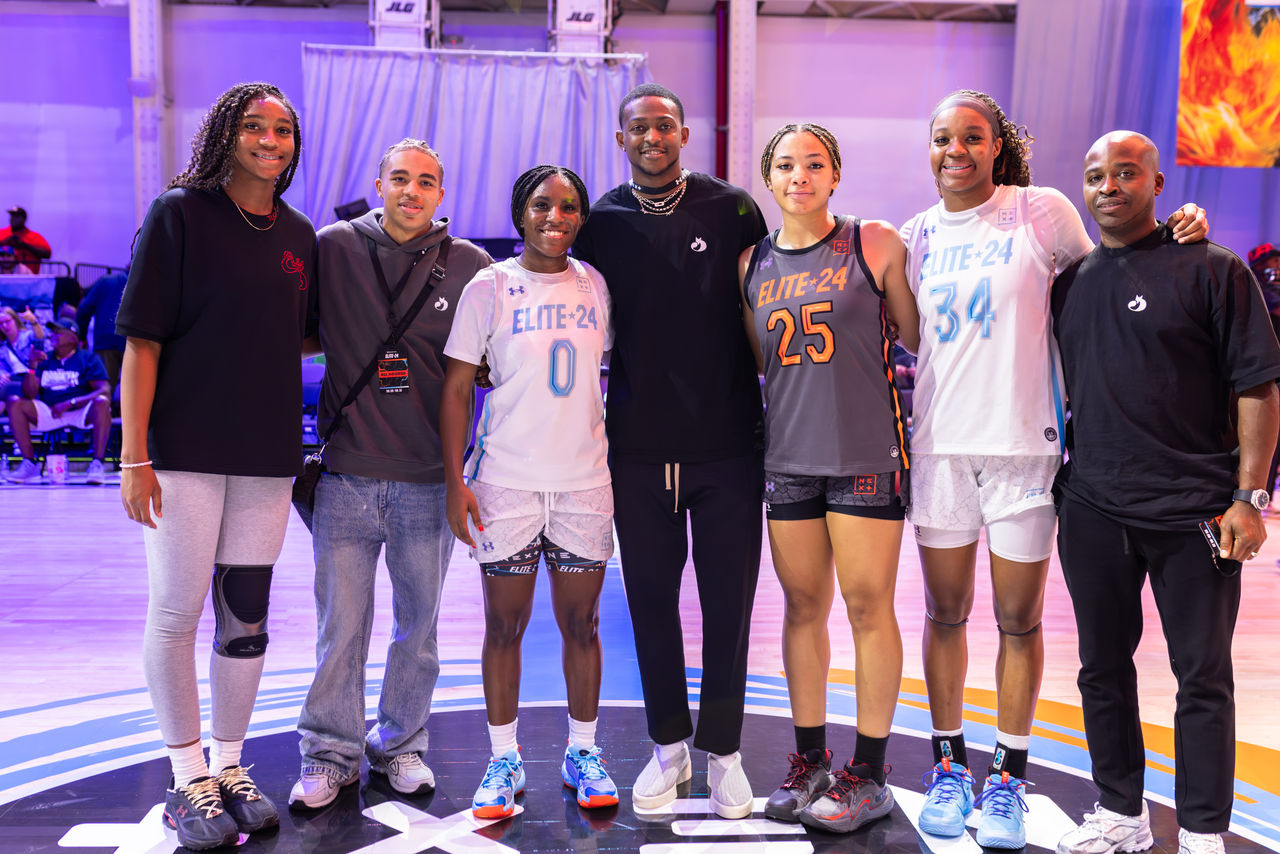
(384, 479)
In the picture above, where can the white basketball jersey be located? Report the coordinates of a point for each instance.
(542, 426)
(989, 380)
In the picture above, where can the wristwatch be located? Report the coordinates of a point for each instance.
(1259, 498)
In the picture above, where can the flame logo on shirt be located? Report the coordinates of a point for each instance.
(292, 264)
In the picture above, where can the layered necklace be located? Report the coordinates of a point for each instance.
(662, 201)
(271, 217)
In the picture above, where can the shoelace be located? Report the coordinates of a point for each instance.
(798, 776)
(946, 782)
(204, 796)
(499, 773)
(590, 766)
(1002, 796)
(845, 783)
(236, 779)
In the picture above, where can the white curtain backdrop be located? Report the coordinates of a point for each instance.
(490, 115)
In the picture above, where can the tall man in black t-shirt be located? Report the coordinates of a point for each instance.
(684, 424)
(1162, 343)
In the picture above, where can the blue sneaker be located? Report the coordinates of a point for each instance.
(1001, 824)
(503, 780)
(948, 801)
(584, 770)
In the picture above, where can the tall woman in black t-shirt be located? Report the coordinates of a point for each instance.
(212, 438)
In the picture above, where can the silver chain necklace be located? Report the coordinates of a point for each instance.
(664, 205)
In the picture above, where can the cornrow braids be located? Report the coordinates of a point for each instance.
(529, 181)
(1011, 165)
(214, 145)
(824, 136)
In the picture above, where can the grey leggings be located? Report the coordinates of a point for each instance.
(207, 519)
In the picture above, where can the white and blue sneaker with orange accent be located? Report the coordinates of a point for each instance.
(583, 770)
(1001, 824)
(503, 780)
(948, 800)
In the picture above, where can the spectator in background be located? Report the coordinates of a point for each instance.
(29, 247)
(19, 335)
(9, 265)
(102, 303)
(65, 389)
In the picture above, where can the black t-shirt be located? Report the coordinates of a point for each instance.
(682, 380)
(1154, 337)
(229, 305)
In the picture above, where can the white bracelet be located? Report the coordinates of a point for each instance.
(135, 465)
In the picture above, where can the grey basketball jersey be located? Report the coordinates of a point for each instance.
(831, 406)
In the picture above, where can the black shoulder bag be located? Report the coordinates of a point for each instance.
(304, 486)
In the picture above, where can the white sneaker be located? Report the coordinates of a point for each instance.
(730, 792)
(96, 473)
(318, 786)
(1199, 843)
(406, 773)
(26, 472)
(656, 785)
(1104, 831)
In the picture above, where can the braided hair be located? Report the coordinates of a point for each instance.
(529, 181)
(214, 146)
(824, 136)
(1010, 165)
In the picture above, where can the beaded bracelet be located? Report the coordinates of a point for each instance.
(135, 465)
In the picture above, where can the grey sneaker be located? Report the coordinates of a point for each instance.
(196, 812)
(851, 802)
(252, 810)
(318, 786)
(805, 781)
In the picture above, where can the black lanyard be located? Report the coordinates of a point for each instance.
(393, 319)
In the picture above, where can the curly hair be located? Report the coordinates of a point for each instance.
(1010, 166)
(824, 136)
(529, 181)
(214, 146)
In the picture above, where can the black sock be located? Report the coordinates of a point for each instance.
(951, 747)
(1008, 759)
(869, 752)
(810, 738)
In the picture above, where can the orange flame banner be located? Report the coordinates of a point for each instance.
(1229, 85)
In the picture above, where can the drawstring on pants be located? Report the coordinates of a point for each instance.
(668, 471)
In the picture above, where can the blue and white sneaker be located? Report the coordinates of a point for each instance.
(1001, 824)
(503, 780)
(948, 801)
(584, 770)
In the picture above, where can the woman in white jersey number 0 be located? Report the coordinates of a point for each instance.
(538, 481)
(987, 436)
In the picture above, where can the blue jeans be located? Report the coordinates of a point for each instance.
(354, 517)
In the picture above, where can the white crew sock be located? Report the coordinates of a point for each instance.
(502, 738)
(188, 764)
(224, 754)
(582, 734)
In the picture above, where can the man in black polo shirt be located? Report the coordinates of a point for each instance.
(1165, 347)
(685, 436)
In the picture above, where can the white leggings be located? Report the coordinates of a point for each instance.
(207, 519)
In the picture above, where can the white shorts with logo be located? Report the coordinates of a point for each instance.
(580, 522)
(953, 496)
(46, 420)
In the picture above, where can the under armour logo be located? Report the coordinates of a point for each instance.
(698, 245)
(767, 262)
(442, 304)
(518, 289)
(488, 547)
(768, 486)
(1137, 303)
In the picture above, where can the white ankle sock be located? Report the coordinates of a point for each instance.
(224, 754)
(582, 734)
(188, 763)
(1013, 742)
(502, 738)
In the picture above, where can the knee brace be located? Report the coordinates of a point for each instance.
(938, 622)
(240, 599)
(1030, 631)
